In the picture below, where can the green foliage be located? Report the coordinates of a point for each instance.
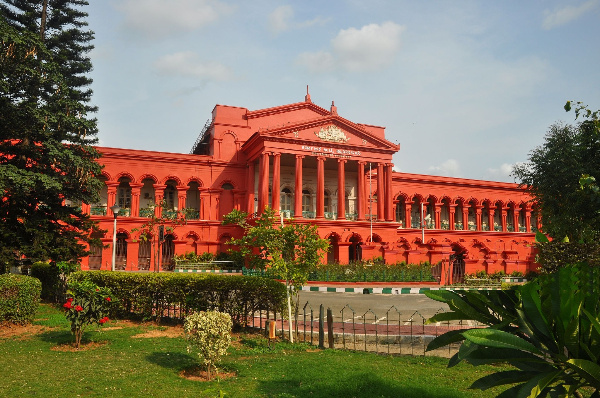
(47, 165)
(290, 250)
(209, 335)
(549, 330)
(49, 275)
(377, 271)
(19, 298)
(556, 254)
(87, 304)
(561, 176)
(149, 296)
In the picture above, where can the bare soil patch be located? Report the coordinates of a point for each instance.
(171, 332)
(198, 374)
(86, 346)
(20, 331)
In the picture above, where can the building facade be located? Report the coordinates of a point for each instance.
(312, 166)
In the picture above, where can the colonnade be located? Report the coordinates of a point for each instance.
(385, 208)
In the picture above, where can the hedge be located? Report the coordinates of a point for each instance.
(19, 298)
(175, 295)
(49, 275)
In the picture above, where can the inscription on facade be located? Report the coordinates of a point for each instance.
(332, 134)
(330, 152)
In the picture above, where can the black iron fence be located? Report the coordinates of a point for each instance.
(396, 332)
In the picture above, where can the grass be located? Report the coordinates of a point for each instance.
(124, 366)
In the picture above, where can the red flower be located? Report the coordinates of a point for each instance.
(68, 305)
(78, 308)
(103, 320)
(108, 299)
(70, 299)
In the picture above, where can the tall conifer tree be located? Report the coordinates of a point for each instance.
(47, 167)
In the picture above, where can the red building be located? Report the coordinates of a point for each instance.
(313, 166)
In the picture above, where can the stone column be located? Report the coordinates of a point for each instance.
(380, 193)
(465, 217)
(438, 215)
(516, 219)
(360, 192)
(407, 213)
(159, 194)
(478, 210)
(136, 189)
(491, 217)
(181, 196)
(112, 196)
(250, 189)
(275, 188)
(341, 210)
(320, 187)
(528, 219)
(504, 224)
(263, 183)
(298, 188)
(389, 207)
(205, 213)
(451, 215)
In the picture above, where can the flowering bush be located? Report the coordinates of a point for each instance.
(87, 304)
(208, 333)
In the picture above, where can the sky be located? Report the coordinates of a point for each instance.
(467, 88)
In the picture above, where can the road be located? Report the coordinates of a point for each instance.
(380, 305)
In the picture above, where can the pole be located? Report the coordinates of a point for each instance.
(422, 226)
(114, 248)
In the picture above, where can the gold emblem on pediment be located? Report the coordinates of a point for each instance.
(332, 134)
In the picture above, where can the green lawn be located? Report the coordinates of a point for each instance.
(125, 366)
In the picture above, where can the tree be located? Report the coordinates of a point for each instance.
(47, 168)
(560, 176)
(289, 250)
(548, 330)
(155, 228)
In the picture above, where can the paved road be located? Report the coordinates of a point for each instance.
(379, 304)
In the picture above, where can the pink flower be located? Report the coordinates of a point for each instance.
(78, 308)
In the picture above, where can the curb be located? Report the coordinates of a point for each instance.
(383, 290)
(209, 271)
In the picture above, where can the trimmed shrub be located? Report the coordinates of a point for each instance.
(87, 304)
(175, 295)
(209, 335)
(49, 276)
(19, 298)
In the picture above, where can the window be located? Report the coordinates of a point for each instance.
(306, 200)
(286, 199)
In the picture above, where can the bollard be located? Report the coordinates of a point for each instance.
(330, 327)
(321, 327)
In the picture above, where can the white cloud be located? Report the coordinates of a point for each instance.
(567, 14)
(280, 18)
(189, 64)
(369, 48)
(155, 18)
(500, 174)
(450, 168)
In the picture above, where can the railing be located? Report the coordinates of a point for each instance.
(170, 214)
(147, 212)
(308, 214)
(124, 212)
(98, 210)
(192, 214)
(351, 216)
(394, 332)
(329, 215)
(286, 213)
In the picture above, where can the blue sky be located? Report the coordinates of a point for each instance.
(467, 88)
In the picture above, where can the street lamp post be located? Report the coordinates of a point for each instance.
(115, 210)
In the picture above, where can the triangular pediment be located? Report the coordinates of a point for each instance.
(330, 130)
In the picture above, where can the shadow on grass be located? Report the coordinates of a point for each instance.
(172, 360)
(362, 385)
(58, 337)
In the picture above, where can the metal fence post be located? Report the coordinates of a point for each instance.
(321, 328)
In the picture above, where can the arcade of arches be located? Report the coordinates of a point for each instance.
(312, 166)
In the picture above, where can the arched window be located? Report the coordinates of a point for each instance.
(327, 205)
(121, 252)
(286, 202)
(307, 208)
(400, 211)
(144, 254)
(124, 196)
(168, 250)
